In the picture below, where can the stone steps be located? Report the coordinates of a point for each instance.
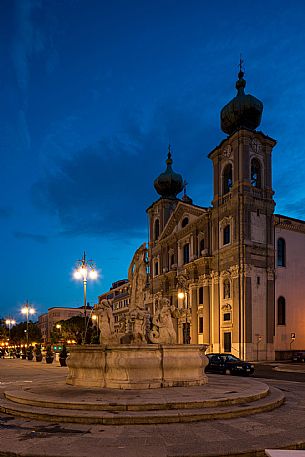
(145, 403)
(21, 403)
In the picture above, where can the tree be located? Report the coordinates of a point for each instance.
(3, 330)
(73, 329)
(18, 333)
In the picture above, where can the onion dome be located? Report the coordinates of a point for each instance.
(243, 111)
(169, 184)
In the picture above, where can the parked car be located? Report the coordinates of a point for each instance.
(298, 356)
(228, 364)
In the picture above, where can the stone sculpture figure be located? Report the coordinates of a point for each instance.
(106, 322)
(138, 319)
(137, 277)
(163, 331)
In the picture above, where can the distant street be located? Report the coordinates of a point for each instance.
(268, 372)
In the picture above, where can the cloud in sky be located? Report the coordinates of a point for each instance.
(105, 188)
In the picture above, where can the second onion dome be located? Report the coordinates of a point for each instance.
(169, 184)
(243, 111)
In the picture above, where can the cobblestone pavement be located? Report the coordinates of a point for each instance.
(247, 436)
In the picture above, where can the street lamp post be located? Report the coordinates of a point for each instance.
(27, 309)
(9, 323)
(85, 269)
(186, 334)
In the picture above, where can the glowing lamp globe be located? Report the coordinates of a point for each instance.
(77, 274)
(93, 274)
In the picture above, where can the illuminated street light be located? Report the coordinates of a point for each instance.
(183, 295)
(85, 270)
(9, 323)
(27, 310)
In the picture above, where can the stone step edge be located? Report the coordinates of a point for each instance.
(275, 399)
(27, 398)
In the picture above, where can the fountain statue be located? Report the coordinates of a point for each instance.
(163, 331)
(144, 354)
(106, 322)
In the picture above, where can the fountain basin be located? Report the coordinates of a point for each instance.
(127, 366)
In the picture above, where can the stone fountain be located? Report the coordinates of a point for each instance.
(144, 354)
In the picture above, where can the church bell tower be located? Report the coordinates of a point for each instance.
(242, 307)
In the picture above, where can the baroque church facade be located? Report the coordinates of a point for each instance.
(233, 269)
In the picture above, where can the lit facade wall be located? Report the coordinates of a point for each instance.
(290, 285)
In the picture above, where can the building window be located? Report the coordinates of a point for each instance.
(184, 222)
(186, 253)
(226, 289)
(226, 235)
(156, 268)
(156, 229)
(200, 296)
(281, 252)
(256, 173)
(200, 325)
(227, 178)
(171, 259)
(201, 245)
(281, 311)
(227, 317)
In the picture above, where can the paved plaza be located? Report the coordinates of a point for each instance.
(247, 436)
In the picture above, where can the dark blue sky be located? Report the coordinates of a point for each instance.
(91, 92)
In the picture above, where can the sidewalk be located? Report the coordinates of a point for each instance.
(245, 436)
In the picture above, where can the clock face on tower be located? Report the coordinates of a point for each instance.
(255, 145)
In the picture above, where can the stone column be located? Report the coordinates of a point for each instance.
(206, 312)
(215, 340)
(194, 311)
(236, 335)
(180, 255)
(270, 315)
(192, 250)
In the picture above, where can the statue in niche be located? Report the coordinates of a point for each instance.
(106, 322)
(226, 289)
(137, 277)
(163, 331)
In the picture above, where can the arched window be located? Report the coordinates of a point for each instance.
(156, 268)
(281, 252)
(281, 311)
(184, 222)
(201, 246)
(227, 178)
(186, 253)
(156, 229)
(226, 234)
(256, 173)
(226, 289)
